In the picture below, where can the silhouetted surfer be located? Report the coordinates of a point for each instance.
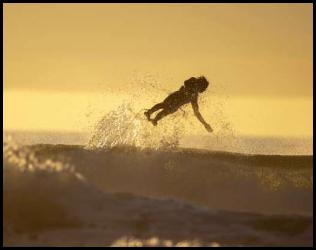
(186, 94)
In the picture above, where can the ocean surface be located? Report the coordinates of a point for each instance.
(71, 189)
(241, 144)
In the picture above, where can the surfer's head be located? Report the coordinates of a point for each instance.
(202, 84)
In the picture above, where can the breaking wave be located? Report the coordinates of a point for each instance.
(58, 195)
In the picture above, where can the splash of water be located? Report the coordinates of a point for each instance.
(21, 159)
(125, 126)
(157, 242)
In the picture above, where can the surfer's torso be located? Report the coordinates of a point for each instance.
(184, 95)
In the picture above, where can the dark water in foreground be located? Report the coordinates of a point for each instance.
(70, 195)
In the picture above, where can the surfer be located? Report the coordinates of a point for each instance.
(186, 94)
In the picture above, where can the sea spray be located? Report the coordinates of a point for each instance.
(34, 190)
(20, 158)
(125, 126)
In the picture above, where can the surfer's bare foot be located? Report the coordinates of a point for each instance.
(147, 115)
(154, 122)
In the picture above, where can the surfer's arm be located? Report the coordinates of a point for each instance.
(198, 115)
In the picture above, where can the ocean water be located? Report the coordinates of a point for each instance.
(129, 188)
(241, 144)
(128, 183)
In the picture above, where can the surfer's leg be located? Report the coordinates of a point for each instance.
(154, 109)
(162, 114)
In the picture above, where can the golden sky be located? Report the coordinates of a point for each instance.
(254, 51)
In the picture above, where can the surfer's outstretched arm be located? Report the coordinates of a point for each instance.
(198, 115)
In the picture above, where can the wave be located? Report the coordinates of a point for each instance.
(68, 195)
(277, 184)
